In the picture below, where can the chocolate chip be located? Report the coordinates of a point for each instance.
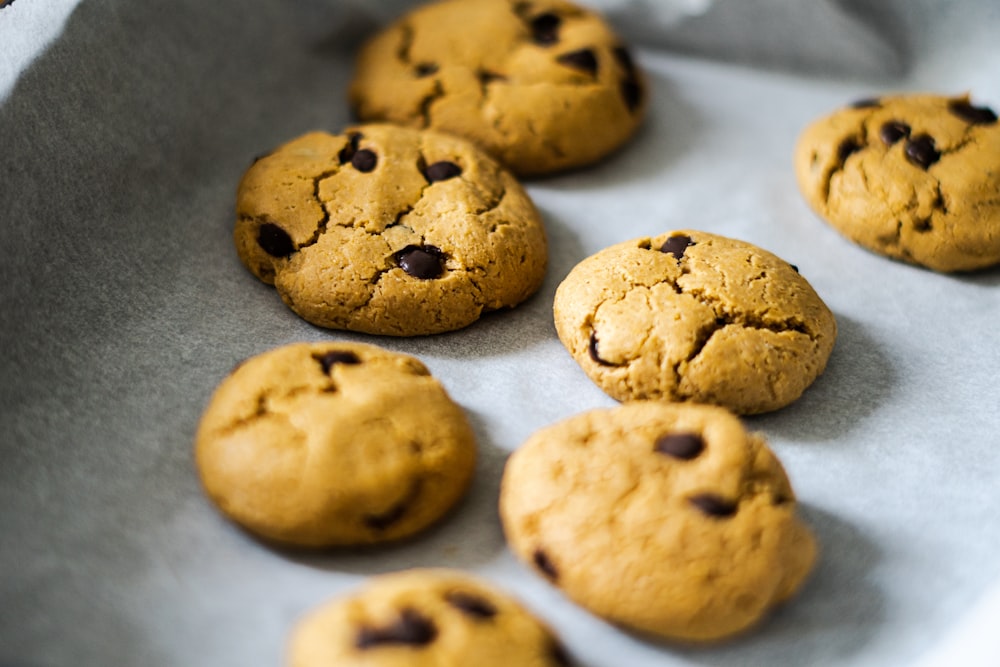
(632, 93)
(386, 518)
(713, 505)
(425, 69)
(676, 245)
(411, 628)
(545, 29)
(892, 131)
(330, 359)
(274, 240)
(470, 604)
(592, 348)
(258, 158)
(543, 563)
(920, 150)
(624, 58)
(866, 103)
(348, 151)
(970, 114)
(794, 268)
(442, 171)
(847, 146)
(684, 446)
(364, 160)
(582, 59)
(424, 262)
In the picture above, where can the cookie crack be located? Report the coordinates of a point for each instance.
(428, 100)
(405, 43)
(325, 221)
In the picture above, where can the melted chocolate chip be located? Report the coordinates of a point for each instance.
(348, 151)
(866, 103)
(685, 446)
(794, 268)
(592, 349)
(892, 131)
(676, 245)
(545, 29)
(425, 69)
(386, 518)
(921, 151)
(970, 114)
(442, 171)
(274, 240)
(471, 605)
(364, 160)
(847, 146)
(543, 563)
(582, 59)
(632, 93)
(411, 628)
(424, 262)
(713, 505)
(330, 359)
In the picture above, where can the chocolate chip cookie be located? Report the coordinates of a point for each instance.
(911, 177)
(666, 518)
(325, 444)
(692, 316)
(543, 85)
(424, 618)
(389, 230)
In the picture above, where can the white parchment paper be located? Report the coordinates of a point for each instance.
(123, 304)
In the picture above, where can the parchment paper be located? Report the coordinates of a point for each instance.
(123, 304)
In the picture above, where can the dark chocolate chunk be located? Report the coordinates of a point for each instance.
(866, 103)
(364, 160)
(794, 268)
(970, 114)
(592, 348)
(921, 151)
(274, 240)
(424, 262)
(847, 146)
(676, 245)
(582, 59)
(411, 628)
(348, 151)
(442, 171)
(892, 131)
(632, 93)
(472, 605)
(486, 76)
(545, 29)
(328, 360)
(713, 505)
(684, 446)
(425, 69)
(543, 563)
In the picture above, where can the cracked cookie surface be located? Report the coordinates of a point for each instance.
(911, 177)
(543, 85)
(692, 316)
(424, 618)
(326, 444)
(667, 518)
(389, 230)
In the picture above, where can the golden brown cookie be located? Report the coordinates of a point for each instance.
(543, 85)
(325, 444)
(911, 177)
(424, 618)
(667, 518)
(389, 230)
(692, 316)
